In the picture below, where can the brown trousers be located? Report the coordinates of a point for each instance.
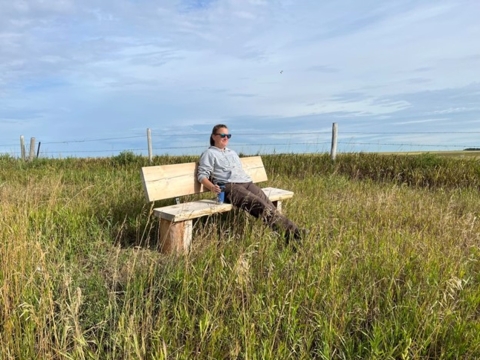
(252, 199)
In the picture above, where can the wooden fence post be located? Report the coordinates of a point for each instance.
(333, 151)
(22, 147)
(149, 141)
(31, 155)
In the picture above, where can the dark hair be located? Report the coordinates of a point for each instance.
(214, 131)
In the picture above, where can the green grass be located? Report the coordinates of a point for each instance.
(390, 269)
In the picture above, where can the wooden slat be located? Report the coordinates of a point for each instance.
(168, 181)
(196, 209)
(191, 210)
(277, 194)
(253, 166)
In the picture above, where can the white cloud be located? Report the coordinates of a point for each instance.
(226, 60)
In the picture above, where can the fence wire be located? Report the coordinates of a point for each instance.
(343, 143)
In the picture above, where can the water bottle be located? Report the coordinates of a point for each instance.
(221, 194)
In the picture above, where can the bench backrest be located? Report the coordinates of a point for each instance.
(168, 181)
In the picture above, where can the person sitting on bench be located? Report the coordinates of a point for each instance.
(220, 165)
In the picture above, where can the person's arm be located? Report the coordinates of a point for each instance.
(207, 184)
(205, 169)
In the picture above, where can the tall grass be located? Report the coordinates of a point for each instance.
(390, 269)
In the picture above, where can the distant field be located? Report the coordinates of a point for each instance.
(390, 269)
(459, 153)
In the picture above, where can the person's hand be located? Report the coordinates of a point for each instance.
(216, 189)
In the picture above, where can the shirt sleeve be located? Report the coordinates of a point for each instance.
(205, 166)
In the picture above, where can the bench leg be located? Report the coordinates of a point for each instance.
(278, 205)
(175, 237)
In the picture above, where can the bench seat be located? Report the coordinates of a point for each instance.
(199, 208)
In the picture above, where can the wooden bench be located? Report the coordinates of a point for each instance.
(174, 181)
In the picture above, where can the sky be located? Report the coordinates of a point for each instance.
(88, 78)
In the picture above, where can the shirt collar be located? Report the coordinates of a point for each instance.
(218, 149)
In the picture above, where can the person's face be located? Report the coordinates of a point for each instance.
(221, 142)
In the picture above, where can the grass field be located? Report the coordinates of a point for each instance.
(454, 153)
(390, 269)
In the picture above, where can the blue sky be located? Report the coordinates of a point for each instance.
(87, 78)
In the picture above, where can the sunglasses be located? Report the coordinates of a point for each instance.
(228, 136)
